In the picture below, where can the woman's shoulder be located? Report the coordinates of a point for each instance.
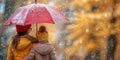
(30, 38)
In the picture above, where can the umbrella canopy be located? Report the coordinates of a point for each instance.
(36, 13)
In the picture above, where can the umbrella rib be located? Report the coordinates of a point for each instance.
(27, 14)
(49, 12)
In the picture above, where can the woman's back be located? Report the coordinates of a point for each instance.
(23, 48)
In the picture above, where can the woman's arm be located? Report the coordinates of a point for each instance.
(31, 55)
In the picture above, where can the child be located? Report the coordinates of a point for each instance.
(42, 50)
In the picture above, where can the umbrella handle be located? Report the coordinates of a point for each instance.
(36, 27)
(35, 1)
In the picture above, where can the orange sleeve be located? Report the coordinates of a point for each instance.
(9, 52)
(31, 55)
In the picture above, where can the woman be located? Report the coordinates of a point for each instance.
(42, 50)
(20, 44)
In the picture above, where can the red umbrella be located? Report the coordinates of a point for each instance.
(36, 13)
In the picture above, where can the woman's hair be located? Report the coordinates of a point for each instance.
(21, 30)
(16, 38)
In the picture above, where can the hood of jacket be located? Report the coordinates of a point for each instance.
(43, 49)
(25, 41)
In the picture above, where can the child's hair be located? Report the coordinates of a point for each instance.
(42, 29)
(42, 34)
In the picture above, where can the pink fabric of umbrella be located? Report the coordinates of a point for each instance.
(36, 13)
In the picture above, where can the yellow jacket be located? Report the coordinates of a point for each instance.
(24, 46)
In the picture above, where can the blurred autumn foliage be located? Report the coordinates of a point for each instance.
(91, 33)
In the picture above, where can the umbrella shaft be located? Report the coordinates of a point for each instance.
(35, 1)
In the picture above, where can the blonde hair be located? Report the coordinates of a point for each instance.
(42, 34)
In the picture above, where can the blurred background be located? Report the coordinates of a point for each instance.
(91, 34)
